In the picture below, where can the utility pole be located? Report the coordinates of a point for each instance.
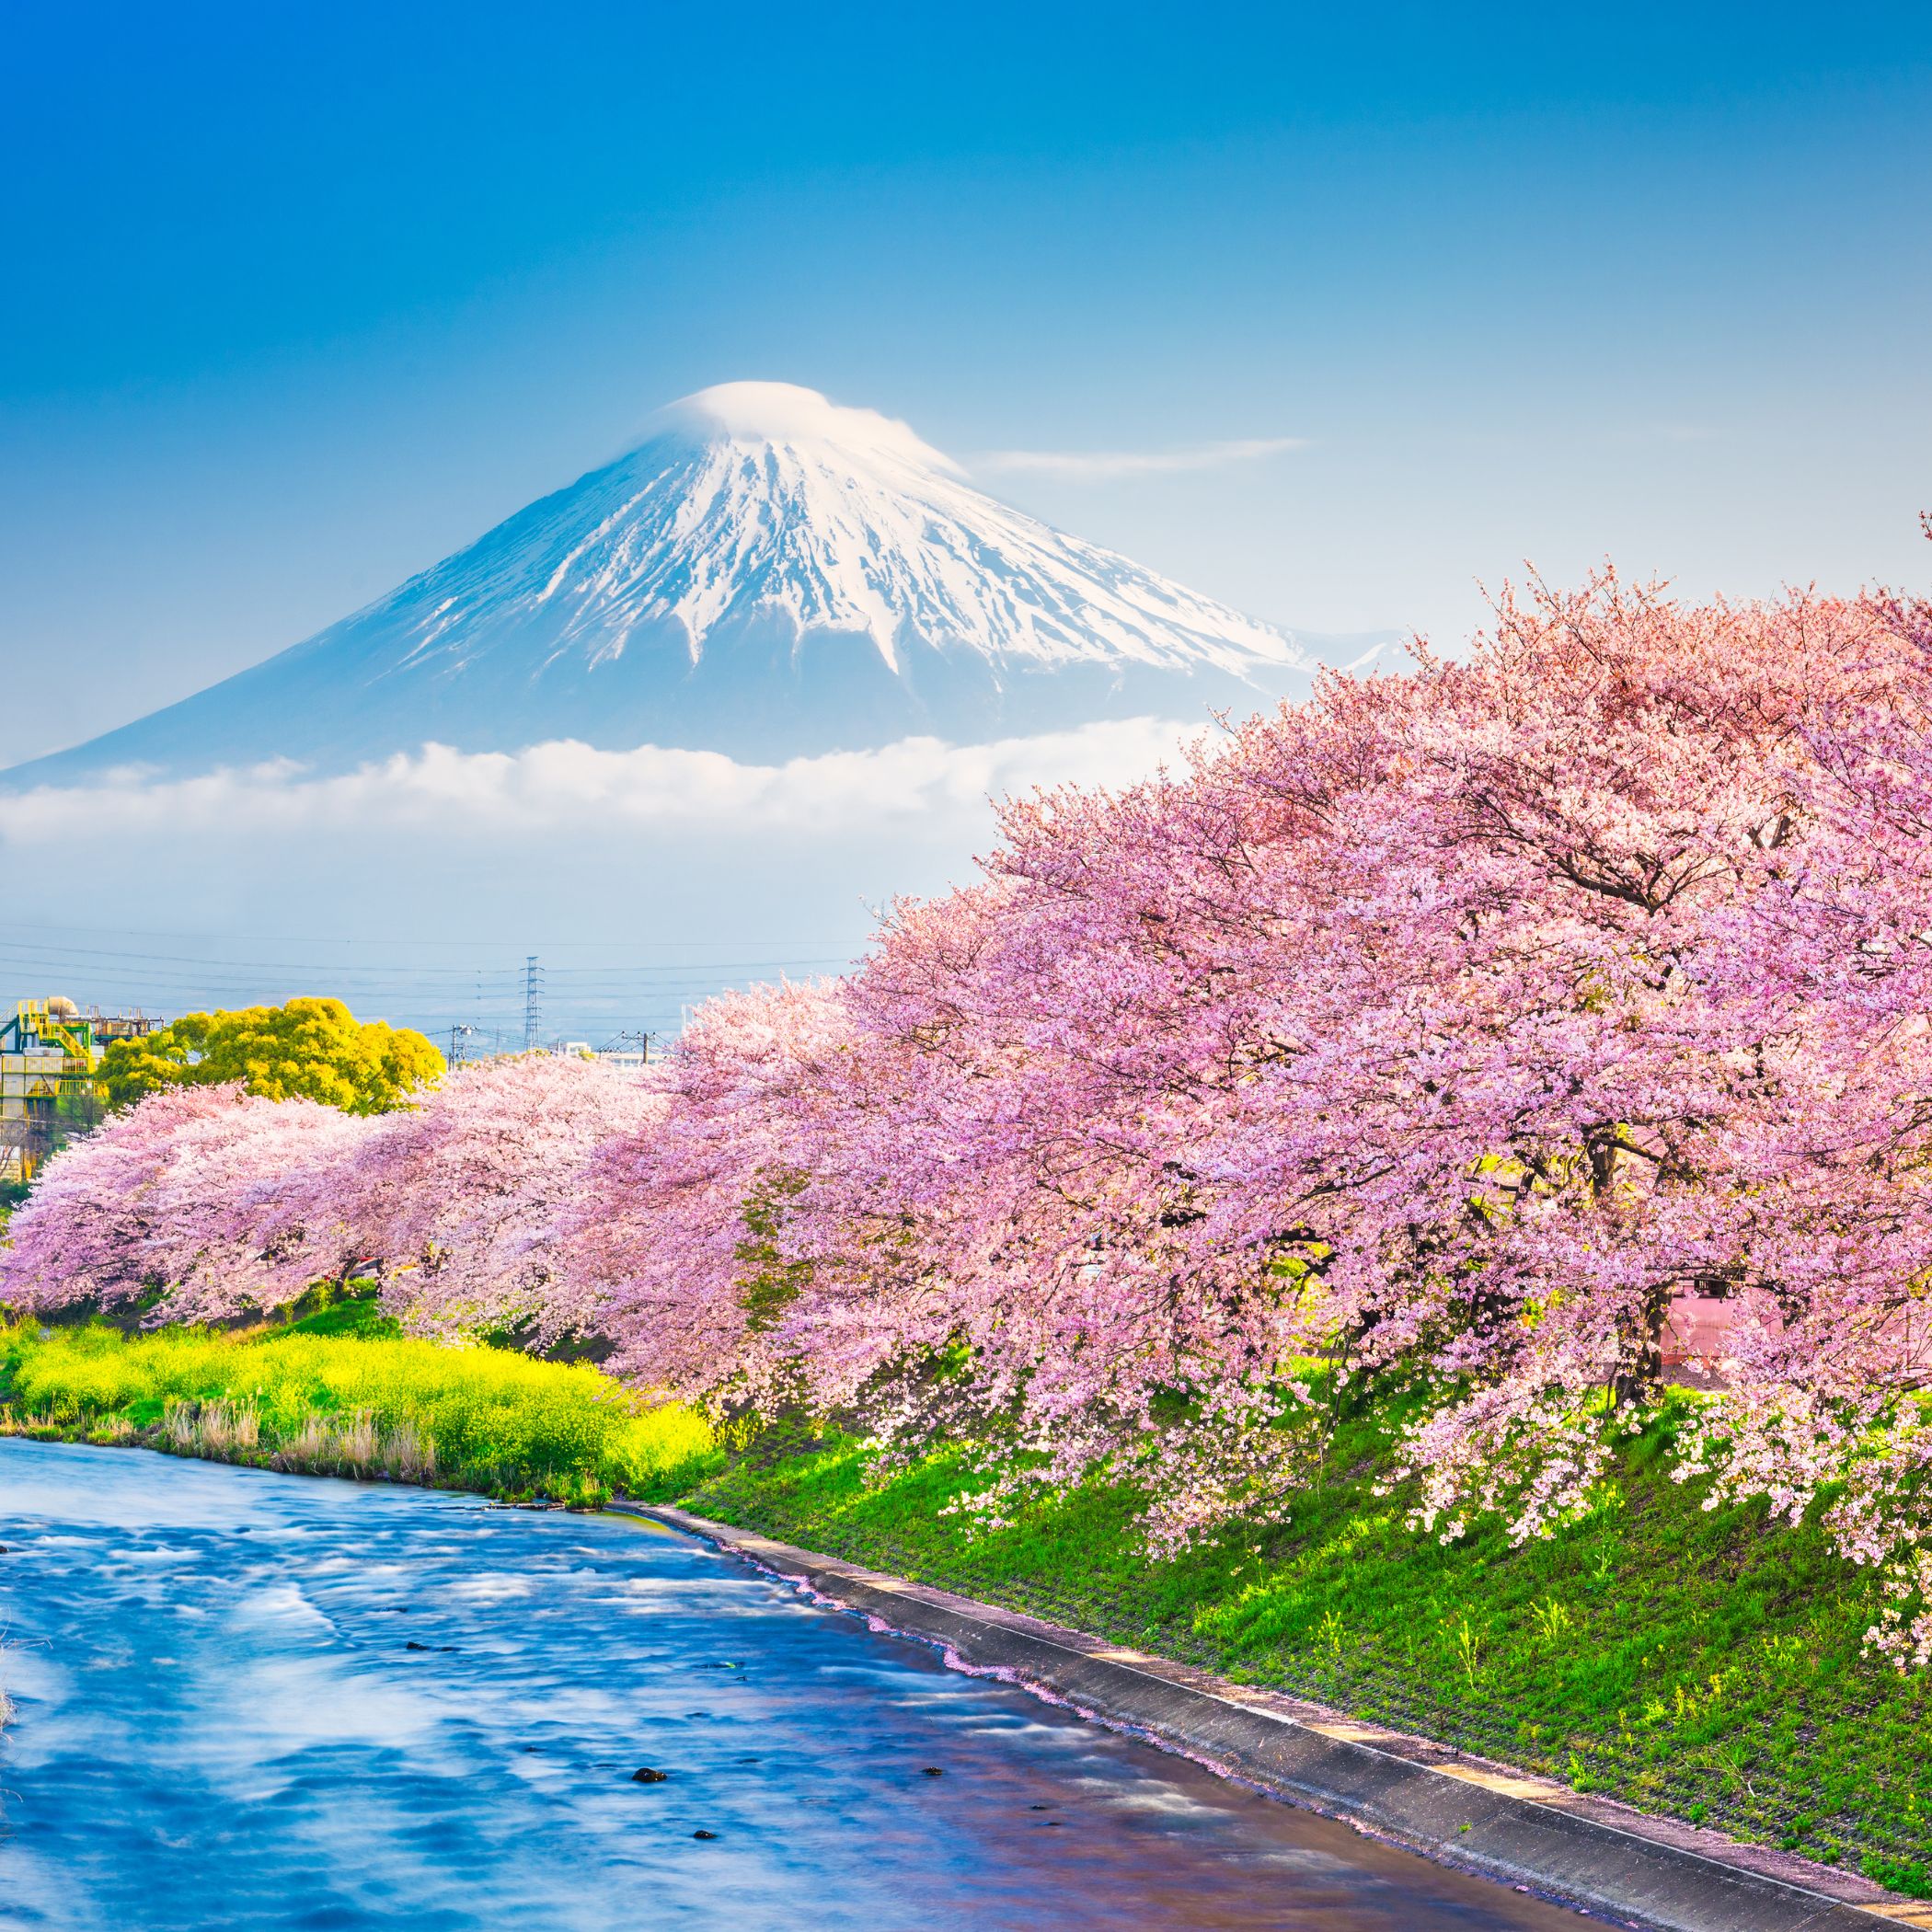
(618, 1042)
(533, 1002)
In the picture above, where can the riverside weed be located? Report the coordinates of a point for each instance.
(473, 1417)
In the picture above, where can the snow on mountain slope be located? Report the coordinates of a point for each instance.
(768, 575)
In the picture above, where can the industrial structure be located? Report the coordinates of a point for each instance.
(48, 1054)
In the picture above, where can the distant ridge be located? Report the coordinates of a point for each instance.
(768, 575)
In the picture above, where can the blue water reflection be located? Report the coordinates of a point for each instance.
(251, 1700)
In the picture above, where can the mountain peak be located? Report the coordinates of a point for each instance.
(788, 414)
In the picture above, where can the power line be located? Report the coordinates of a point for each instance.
(466, 975)
(145, 932)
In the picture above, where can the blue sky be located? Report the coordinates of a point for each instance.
(302, 298)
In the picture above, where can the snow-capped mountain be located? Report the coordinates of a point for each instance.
(768, 575)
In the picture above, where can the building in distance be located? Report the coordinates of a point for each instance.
(50, 1052)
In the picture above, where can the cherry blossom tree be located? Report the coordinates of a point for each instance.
(678, 1229)
(217, 1204)
(456, 1197)
(202, 1196)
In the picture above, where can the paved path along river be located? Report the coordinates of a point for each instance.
(263, 1701)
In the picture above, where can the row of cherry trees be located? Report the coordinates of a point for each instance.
(205, 1203)
(1443, 1030)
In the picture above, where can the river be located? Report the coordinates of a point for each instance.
(263, 1701)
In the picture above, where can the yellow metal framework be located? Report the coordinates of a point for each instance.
(47, 1054)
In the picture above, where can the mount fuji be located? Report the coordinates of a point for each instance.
(768, 575)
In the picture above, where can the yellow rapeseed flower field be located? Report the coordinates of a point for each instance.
(468, 1417)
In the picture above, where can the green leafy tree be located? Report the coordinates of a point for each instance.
(314, 1049)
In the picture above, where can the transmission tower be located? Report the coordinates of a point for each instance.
(533, 1002)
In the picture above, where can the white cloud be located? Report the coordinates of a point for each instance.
(567, 786)
(1099, 465)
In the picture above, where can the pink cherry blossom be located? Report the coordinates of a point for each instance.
(200, 1193)
(456, 1197)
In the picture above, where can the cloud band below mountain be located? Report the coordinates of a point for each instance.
(570, 787)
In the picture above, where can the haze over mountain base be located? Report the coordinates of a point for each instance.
(644, 880)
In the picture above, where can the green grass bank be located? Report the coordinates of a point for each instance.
(1702, 1664)
(321, 1397)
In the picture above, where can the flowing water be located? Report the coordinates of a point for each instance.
(252, 1700)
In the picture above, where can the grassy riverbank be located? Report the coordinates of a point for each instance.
(347, 1404)
(1703, 1664)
